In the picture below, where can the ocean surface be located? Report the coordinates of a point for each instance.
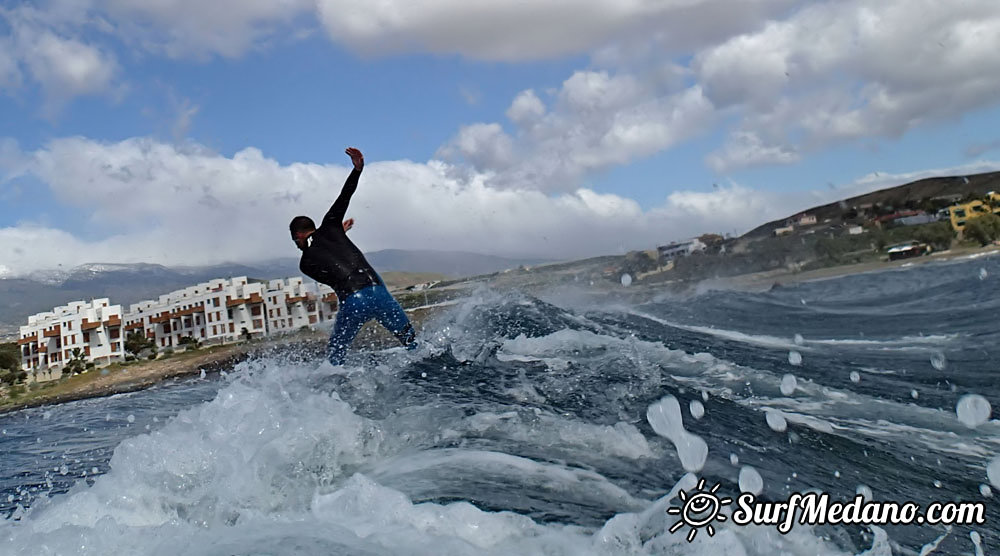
(561, 422)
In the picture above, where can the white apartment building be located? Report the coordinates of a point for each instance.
(292, 303)
(50, 340)
(214, 312)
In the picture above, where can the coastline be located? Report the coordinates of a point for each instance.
(121, 379)
(766, 280)
(140, 375)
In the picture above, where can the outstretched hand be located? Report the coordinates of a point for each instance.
(348, 224)
(356, 157)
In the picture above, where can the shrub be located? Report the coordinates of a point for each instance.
(984, 229)
(151, 356)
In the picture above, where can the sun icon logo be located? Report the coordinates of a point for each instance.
(700, 509)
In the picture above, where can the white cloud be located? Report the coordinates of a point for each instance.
(839, 71)
(515, 31)
(597, 120)
(195, 28)
(745, 148)
(155, 202)
(526, 109)
(64, 66)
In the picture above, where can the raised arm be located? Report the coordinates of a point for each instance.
(339, 209)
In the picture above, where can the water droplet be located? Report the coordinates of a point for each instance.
(704, 395)
(836, 474)
(993, 471)
(63, 470)
(750, 480)
(864, 491)
(855, 377)
(938, 361)
(734, 459)
(937, 484)
(799, 340)
(914, 394)
(986, 491)
(93, 471)
(130, 418)
(697, 409)
(626, 279)
(795, 358)
(973, 410)
(423, 375)
(775, 420)
(983, 274)
(788, 384)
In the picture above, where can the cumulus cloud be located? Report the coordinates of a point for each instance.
(150, 201)
(516, 31)
(839, 71)
(745, 148)
(596, 120)
(42, 46)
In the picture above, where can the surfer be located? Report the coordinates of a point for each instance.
(329, 257)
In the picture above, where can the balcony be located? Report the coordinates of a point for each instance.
(114, 320)
(87, 325)
(29, 340)
(54, 333)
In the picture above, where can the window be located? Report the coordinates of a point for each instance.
(86, 337)
(959, 213)
(257, 323)
(255, 310)
(113, 334)
(214, 331)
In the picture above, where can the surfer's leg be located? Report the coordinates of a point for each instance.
(351, 316)
(391, 315)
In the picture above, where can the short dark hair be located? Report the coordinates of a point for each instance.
(301, 224)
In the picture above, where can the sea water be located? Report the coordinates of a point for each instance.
(556, 422)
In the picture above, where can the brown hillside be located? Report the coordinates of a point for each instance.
(928, 188)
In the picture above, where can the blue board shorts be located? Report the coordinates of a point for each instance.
(373, 302)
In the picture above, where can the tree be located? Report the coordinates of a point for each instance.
(135, 343)
(76, 364)
(10, 357)
(985, 229)
(938, 234)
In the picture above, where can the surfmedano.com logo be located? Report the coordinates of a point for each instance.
(700, 509)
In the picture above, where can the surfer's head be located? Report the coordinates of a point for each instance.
(301, 227)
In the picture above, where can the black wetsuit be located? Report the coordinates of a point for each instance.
(333, 259)
(330, 257)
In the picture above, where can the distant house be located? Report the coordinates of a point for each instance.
(784, 230)
(679, 249)
(960, 214)
(805, 219)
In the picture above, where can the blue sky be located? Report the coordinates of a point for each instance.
(557, 129)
